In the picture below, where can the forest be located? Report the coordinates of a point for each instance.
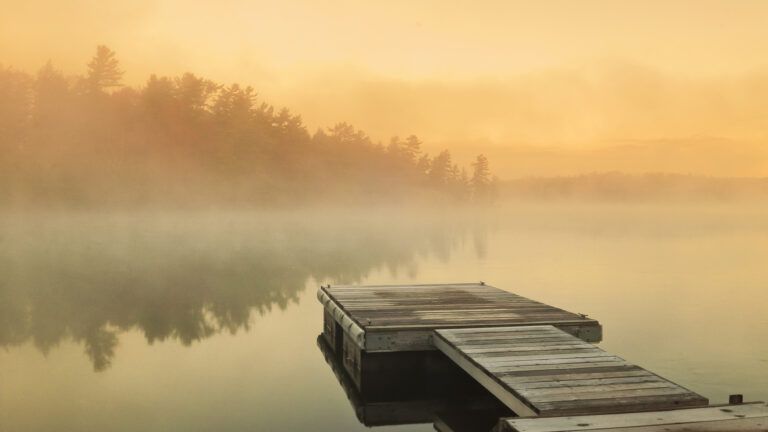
(89, 140)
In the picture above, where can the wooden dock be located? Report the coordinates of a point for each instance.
(536, 359)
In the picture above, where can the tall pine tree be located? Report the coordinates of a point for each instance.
(103, 71)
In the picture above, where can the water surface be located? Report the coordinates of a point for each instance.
(208, 320)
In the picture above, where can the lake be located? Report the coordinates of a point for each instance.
(162, 321)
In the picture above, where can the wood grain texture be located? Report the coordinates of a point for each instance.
(548, 372)
(397, 310)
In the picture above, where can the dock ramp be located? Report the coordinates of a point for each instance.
(543, 371)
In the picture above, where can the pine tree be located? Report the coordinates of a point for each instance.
(195, 93)
(51, 95)
(424, 164)
(464, 184)
(412, 148)
(481, 178)
(103, 71)
(394, 148)
(440, 169)
(15, 104)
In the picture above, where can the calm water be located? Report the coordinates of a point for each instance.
(158, 322)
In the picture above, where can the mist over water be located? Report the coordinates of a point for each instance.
(208, 320)
(88, 277)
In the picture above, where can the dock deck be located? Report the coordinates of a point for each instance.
(543, 371)
(402, 317)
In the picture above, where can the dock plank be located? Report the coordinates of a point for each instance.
(591, 381)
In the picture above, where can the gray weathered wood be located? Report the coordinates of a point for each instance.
(561, 382)
(401, 317)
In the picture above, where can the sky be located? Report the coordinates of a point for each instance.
(500, 77)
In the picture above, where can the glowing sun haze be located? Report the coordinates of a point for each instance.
(496, 76)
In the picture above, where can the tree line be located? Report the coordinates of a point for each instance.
(89, 139)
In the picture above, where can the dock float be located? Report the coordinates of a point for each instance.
(402, 317)
(537, 360)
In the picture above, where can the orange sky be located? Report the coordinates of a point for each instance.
(567, 74)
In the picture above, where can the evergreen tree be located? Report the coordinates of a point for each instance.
(481, 178)
(195, 93)
(394, 147)
(103, 71)
(439, 172)
(51, 95)
(412, 148)
(15, 104)
(464, 179)
(424, 165)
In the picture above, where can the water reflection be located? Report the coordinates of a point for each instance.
(413, 387)
(680, 291)
(88, 278)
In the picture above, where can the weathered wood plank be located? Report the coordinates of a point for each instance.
(560, 368)
(562, 389)
(526, 348)
(620, 404)
(547, 361)
(635, 371)
(599, 395)
(535, 353)
(530, 345)
(512, 322)
(574, 384)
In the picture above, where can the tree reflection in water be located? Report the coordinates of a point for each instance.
(88, 278)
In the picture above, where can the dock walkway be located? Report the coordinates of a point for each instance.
(543, 371)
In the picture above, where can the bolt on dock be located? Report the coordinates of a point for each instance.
(538, 361)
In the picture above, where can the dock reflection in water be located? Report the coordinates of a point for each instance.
(415, 387)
